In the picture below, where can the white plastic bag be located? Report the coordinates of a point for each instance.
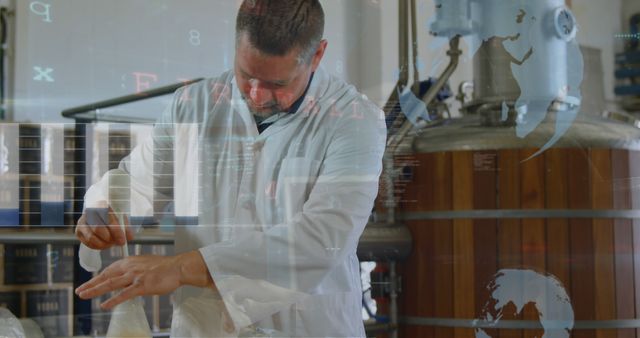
(31, 329)
(129, 320)
(10, 326)
(90, 259)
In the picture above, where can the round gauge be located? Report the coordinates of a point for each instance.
(565, 24)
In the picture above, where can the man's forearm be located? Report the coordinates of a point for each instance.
(193, 270)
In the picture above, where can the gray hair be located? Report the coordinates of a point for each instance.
(275, 27)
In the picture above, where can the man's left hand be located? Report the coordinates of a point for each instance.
(136, 276)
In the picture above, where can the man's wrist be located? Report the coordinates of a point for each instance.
(193, 270)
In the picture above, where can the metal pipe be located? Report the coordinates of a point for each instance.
(389, 193)
(403, 66)
(403, 38)
(414, 47)
(403, 62)
(403, 79)
(67, 238)
(393, 307)
(454, 55)
(81, 308)
(79, 167)
(73, 112)
(373, 329)
(519, 214)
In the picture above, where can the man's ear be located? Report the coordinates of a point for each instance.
(317, 57)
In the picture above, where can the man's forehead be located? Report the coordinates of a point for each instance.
(244, 44)
(284, 79)
(253, 63)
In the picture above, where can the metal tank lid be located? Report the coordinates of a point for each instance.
(467, 133)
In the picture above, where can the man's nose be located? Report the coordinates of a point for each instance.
(259, 95)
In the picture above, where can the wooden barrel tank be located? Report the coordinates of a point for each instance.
(477, 204)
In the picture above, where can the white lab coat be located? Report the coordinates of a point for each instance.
(279, 214)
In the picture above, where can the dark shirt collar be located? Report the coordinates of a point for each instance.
(298, 103)
(292, 110)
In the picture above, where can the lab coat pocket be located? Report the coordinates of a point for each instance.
(295, 180)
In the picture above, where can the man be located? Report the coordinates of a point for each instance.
(272, 170)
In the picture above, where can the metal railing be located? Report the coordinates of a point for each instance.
(149, 237)
(88, 112)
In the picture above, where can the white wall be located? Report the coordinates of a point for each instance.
(341, 58)
(90, 50)
(378, 45)
(599, 22)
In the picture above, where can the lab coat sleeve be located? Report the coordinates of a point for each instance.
(264, 272)
(150, 167)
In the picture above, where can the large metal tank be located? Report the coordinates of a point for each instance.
(511, 246)
(526, 57)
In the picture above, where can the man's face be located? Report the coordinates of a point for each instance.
(271, 84)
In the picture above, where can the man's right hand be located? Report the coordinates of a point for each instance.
(105, 235)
